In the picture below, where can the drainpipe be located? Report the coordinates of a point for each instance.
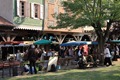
(43, 19)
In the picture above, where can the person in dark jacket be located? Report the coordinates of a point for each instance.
(32, 59)
(79, 52)
(61, 53)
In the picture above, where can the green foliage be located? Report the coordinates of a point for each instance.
(88, 12)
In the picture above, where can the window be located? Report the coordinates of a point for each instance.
(22, 8)
(36, 11)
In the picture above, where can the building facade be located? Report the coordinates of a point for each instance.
(28, 14)
(54, 7)
(6, 11)
(32, 19)
(6, 19)
(28, 17)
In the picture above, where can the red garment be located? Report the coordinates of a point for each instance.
(85, 53)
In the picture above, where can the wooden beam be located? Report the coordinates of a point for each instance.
(60, 38)
(13, 38)
(4, 38)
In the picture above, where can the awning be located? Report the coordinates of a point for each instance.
(42, 42)
(25, 27)
(94, 43)
(28, 42)
(22, 44)
(15, 43)
(5, 24)
(76, 43)
(11, 42)
(79, 43)
(114, 41)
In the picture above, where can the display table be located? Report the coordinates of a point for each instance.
(8, 65)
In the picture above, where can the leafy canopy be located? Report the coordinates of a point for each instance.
(88, 12)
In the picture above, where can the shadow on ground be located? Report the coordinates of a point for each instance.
(107, 73)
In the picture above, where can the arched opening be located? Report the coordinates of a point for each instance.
(18, 38)
(69, 38)
(85, 38)
(50, 36)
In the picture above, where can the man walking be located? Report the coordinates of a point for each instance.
(32, 59)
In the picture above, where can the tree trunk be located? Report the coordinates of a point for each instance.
(101, 49)
(102, 38)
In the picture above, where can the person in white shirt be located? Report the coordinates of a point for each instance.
(50, 53)
(18, 56)
(107, 56)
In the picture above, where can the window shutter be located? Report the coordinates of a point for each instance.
(26, 9)
(56, 11)
(18, 7)
(41, 11)
(32, 10)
